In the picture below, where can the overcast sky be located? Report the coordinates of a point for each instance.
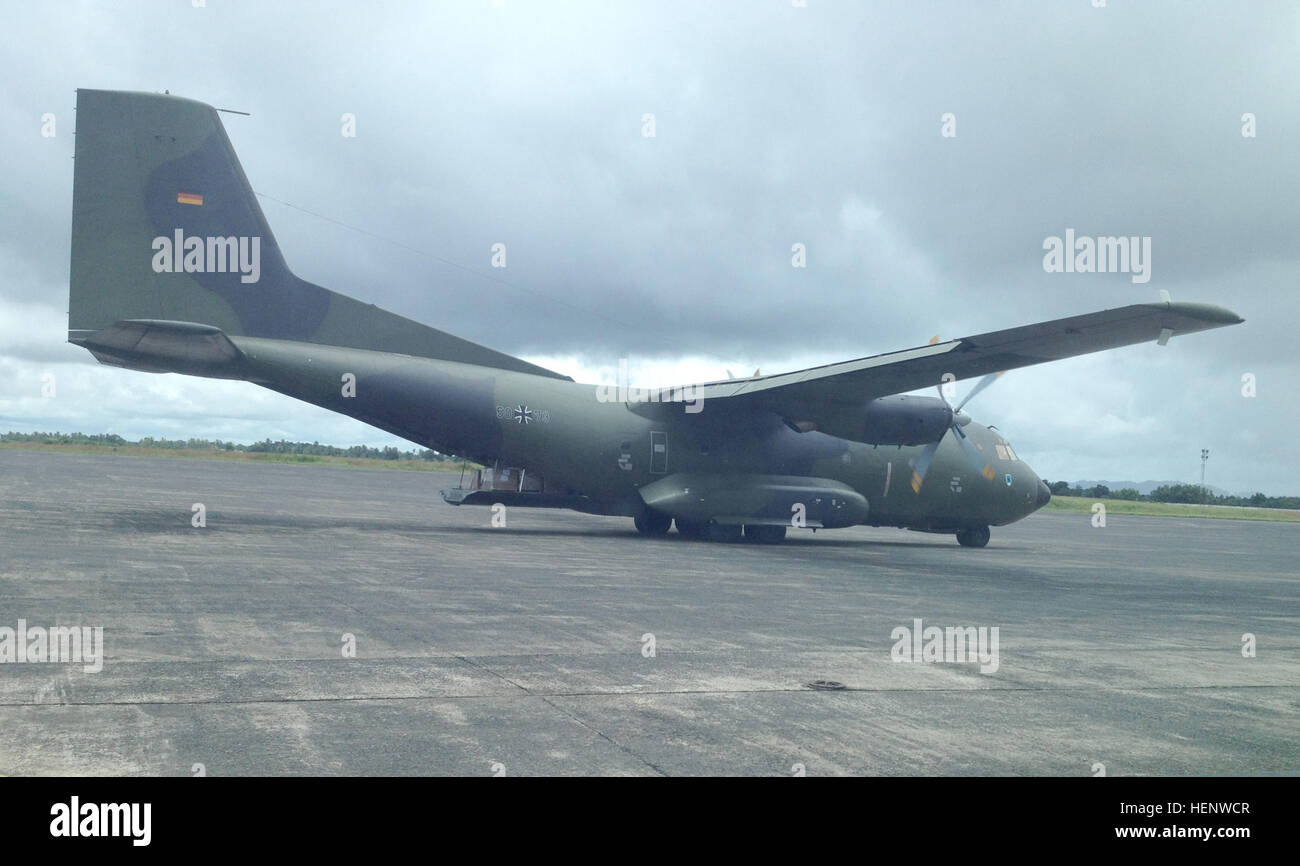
(498, 121)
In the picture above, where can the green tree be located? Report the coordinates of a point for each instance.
(1184, 493)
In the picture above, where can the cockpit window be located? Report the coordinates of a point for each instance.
(1005, 451)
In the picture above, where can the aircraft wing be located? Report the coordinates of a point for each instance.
(808, 394)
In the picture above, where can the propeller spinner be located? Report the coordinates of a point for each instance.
(959, 420)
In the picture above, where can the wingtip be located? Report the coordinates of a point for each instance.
(1211, 313)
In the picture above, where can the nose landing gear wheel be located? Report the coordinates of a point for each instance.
(978, 537)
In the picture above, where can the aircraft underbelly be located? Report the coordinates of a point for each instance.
(776, 500)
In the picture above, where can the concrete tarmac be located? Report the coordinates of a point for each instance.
(523, 650)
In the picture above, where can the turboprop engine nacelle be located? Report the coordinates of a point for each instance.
(900, 419)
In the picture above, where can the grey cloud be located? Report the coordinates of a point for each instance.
(775, 125)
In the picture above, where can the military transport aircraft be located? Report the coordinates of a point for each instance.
(174, 269)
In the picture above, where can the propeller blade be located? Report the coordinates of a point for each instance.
(976, 457)
(922, 465)
(983, 383)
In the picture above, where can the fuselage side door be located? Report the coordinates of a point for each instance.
(658, 452)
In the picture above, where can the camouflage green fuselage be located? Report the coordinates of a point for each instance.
(564, 432)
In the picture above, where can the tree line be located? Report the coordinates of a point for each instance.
(1183, 493)
(266, 446)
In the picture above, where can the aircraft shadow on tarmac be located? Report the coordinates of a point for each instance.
(791, 541)
(170, 520)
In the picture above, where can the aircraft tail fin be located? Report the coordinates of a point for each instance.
(165, 227)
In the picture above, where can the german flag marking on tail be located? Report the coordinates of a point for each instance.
(189, 198)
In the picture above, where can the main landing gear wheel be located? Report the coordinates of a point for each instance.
(690, 529)
(708, 531)
(973, 537)
(722, 532)
(764, 534)
(652, 523)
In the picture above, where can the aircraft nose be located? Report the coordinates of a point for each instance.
(1044, 494)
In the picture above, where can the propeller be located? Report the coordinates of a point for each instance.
(959, 420)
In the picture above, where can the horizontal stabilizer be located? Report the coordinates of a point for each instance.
(156, 346)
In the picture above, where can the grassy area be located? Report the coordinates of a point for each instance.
(253, 456)
(1170, 509)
